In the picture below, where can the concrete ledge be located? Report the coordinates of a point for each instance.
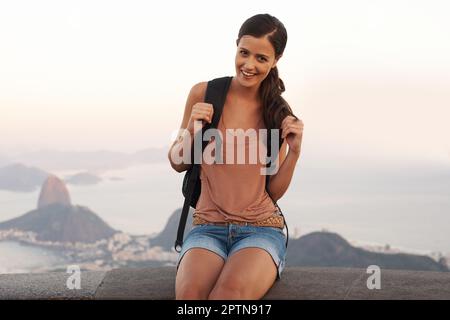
(48, 286)
(149, 283)
(297, 283)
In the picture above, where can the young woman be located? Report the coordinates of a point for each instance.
(236, 249)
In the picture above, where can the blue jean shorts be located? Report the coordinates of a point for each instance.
(226, 240)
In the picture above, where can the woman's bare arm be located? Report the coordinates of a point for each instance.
(292, 133)
(196, 95)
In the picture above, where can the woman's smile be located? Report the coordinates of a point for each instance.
(248, 75)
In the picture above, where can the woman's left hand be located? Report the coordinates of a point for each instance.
(292, 131)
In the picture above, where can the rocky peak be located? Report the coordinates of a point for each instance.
(53, 191)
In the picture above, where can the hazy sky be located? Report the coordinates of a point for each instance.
(367, 77)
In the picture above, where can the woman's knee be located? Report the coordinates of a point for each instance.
(191, 292)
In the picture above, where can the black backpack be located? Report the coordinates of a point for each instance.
(216, 93)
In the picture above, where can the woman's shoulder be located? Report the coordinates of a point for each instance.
(198, 90)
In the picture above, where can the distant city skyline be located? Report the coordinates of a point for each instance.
(367, 78)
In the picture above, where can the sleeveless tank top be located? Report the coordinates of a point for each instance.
(234, 190)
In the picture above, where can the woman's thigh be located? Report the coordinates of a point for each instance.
(200, 262)
(197, 273)
(248, 274)
(270, 239)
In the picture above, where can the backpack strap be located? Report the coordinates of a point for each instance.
(216, 93)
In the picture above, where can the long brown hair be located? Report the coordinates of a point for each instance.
(275, 108)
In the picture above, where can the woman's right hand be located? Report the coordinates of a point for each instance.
(200, 111)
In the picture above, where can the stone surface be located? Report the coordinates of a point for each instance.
(297, 283)
(314, 283)
(148, 283)
(404, 285)
(48, 286)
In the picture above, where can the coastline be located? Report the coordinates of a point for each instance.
(122, 250)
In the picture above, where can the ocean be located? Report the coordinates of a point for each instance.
(18, 258)
(404, 210)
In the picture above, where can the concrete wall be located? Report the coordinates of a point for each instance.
(296, 283)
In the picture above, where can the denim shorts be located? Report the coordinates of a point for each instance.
(226, 240)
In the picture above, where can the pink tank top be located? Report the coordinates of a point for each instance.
(232, 191)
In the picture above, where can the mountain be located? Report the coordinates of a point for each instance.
(18, 177)
(60, 223)
(166, 238)
(326, 249)
(319, 249)
(53, 191)
(56, 220)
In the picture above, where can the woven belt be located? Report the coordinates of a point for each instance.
(275, 220)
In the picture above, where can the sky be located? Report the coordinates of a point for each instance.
(369, 79)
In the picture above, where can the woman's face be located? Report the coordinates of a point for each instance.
(254, 59)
